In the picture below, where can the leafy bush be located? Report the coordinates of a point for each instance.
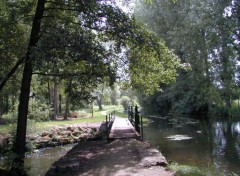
(38, 111)
(10, 118)
(125, 101)
(82, 114)
(230, 113)
(234, 112)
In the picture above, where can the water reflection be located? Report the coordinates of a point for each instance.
(219, 138)
(236, 128)
(213, 144)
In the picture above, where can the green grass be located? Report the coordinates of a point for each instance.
(121, 114)
(184, 170)
(83, 117)
(6, 129)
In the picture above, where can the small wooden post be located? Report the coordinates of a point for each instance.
(137, 121)
(141, 128)
(131, 113)
(107, 132)
(92, 108)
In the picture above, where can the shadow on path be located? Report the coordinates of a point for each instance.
(120, 157)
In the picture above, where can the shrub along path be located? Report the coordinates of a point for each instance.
(121, 157)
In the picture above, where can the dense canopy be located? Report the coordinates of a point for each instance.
(75, 45)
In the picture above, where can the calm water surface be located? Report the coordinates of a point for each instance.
(213, 145)
(40, 161)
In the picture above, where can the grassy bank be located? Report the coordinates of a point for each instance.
(186, 170)
(84, 116)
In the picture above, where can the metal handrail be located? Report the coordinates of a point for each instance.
(109, 121)
(131, 116)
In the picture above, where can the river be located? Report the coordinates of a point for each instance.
(212, 145)
(38, 162)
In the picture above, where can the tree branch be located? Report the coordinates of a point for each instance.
(60, 74)
(13, 70)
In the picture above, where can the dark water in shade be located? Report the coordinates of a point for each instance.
(209, 145)
(40, 161)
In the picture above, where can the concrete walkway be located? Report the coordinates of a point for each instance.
(121, 157)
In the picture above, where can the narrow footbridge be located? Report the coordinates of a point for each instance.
(122, 128)
(118, 127)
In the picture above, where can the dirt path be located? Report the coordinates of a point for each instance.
(127, 157)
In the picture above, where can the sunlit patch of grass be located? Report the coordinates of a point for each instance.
(184, 170)
(9, 128)
(121, 114)
(84, 116)
(97, 117)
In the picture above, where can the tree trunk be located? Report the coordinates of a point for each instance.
(49, 98)
(60, 103)
(1, 105)
(66, 109)
(67, 100)
(226, 77)
(6, 104)
(55, 98)
(19, 148)
(99, 102)
(13, 103)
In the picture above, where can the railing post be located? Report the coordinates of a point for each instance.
(131, 113)
(137, 119)
(141, 129)
(107, 130)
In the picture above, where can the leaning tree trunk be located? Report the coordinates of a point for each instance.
(20, 142)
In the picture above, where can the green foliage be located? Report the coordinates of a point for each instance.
(38, 111)
(231, 113)
(84, 116)
(78, 45)
(197, 32)
(234, 111)
(13, 38)
(149, 68)
(184, 170)
(10, 118)
(9, 158)
(125, 101)
(115, 94)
